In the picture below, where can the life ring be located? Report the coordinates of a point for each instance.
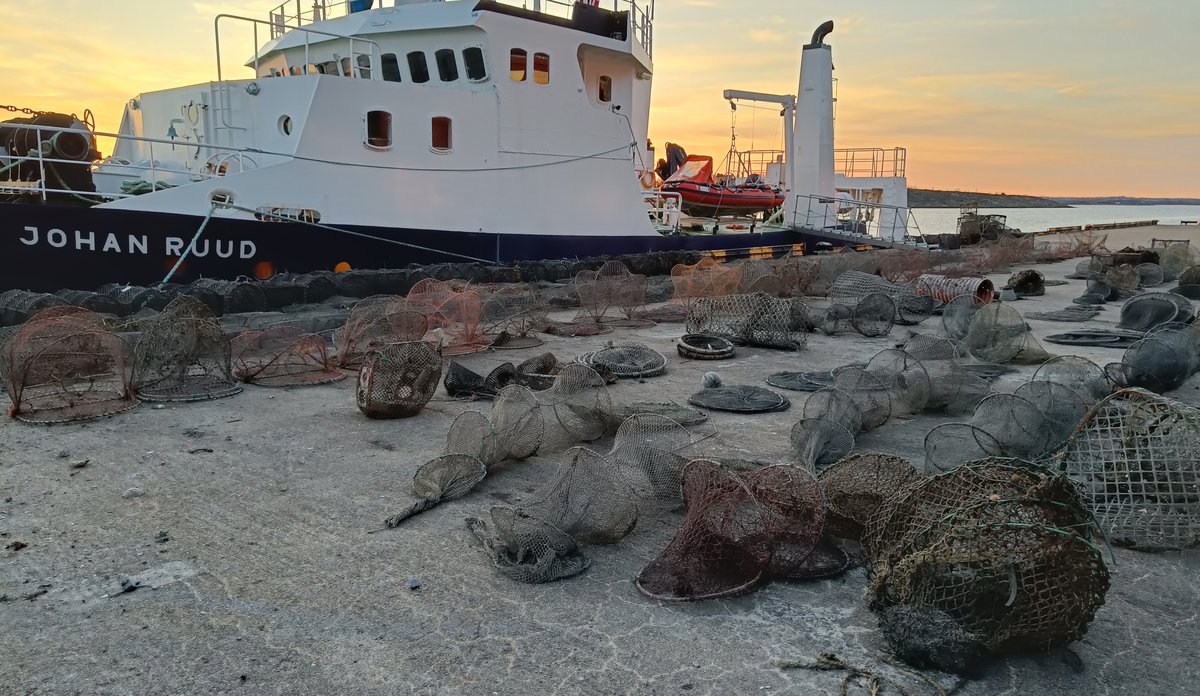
(649, 179)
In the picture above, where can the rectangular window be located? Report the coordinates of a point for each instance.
(330, 67)
(605, 92)
(541, 68)
(418, 69)
(364, 67)
(389, 67)
(516, 64)
(473, 60)
(346, 71)
(379, 129)
(446, 64)
(441, 133)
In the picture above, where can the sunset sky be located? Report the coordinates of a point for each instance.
(1056, 97)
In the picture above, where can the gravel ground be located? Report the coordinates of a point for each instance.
(240, 527)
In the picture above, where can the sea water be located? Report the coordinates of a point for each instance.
(945, 220)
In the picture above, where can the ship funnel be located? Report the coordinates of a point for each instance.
(812, 151)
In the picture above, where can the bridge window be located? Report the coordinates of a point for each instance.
(329, 67)
(441, 133)
(389, 67)
(605, 89)
(541, 68)
(379, 129)
(364, 67)
(446, 65)
(418, 68)
(516, 64)
(346, 71)
(473, 60)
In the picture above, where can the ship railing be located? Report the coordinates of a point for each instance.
(869, 221)
(870, 161)
(358, 45)
(221, 161)
(743, 163)
(664, 208)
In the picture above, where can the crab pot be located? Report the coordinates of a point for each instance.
(397, 380)
(943, 288)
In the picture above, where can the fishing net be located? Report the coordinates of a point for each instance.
(63, 365)
(234, 296)
(577, 407)
(374, 322)
(705, 278)
(1061, 406)
(1028, 283)
(1159, 363)
(1084, 377)
(928, 347)
(538, 372)
(868, 392)
(648, 451)
(696, 346)
(819, 442)
(455, 324)
(283, 356)
(426, 295)
(857, 485)
(872, 316)
(1069, 314)
(585, 502)
(1002, 425)
(992, 557)
(1146, 311)
(757, 319)
(183, 355)
(852, 287)
(957, 316)
(627, 361)
(740, 530)
(397, 380)
(1178, 258)
(474, 444)
(461, 381)
(804, 381)
(740, 398)
(1136, 459)
(1087, 268)
(835, 405)
(998, 334)
(1122, 279)
(905, 379)
(1149, 274)
(510, 315)
(611, 291)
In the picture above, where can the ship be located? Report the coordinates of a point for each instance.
(424, 131)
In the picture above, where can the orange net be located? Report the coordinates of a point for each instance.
(63, 365)
(375, 322)
(611, 293)
(283, 357)
(705, 278)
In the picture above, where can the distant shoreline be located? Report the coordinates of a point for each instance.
(936, 198)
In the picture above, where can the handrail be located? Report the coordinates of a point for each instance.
(665, 209)
(870, 161)
(375, 53)
(872, 218)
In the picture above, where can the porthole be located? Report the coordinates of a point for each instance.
(285, 125)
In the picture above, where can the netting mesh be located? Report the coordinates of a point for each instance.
(577, 406)
(754, 319)
(454, 320)
(872, 315)
(461, 381)
(1084, 377)
(695, 346)
(1161, 362)
(957, 315)
(739, 398)
(1144, 312)
(852, 287)
(857, 485)
(1136, 458)
(705, 278)
(183, 355)
(1179, 257)
(835, 405)
(996, 556)
(610, 293)
(998, 334)
(869, 394)
(1149, 274)
(905, 379)
(511, 314)
(819, 442)
(1123, 278)
(397, 380)
(283, 357)
(627, 361)
(374, 322)
(1027, 283)
(1074, 313)
(740, 530)
(1006, 425)
(63, 365)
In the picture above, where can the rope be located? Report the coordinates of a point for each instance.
(630, 146)
(352, 233)
(190, 246)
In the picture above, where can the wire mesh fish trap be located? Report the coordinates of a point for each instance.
(872, 316)
(1074, 313)
(511, 314)
(820, 442)
(577, 407)
(627, 361)
(868, 392)
(397, 380)
(756, 319)
(1084, 377)
(1123, 278)
(455, 324)
(957, 315)
(1135, 458)
(835, 405)
(998, 334)
(1161, 362)
(705, 278)
(1027, 283)
(183, 355)
(283, 357)
(740, 398)
(852, 287)
(374, 322)
(905, 379)
(1004, 425)
(740, 530)
(1146, 311)
(696, 346)
(998, 551)
(857, 485)
(1149, 274)
(63, 365)
(461, 381)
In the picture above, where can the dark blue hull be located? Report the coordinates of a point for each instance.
(49, 247)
